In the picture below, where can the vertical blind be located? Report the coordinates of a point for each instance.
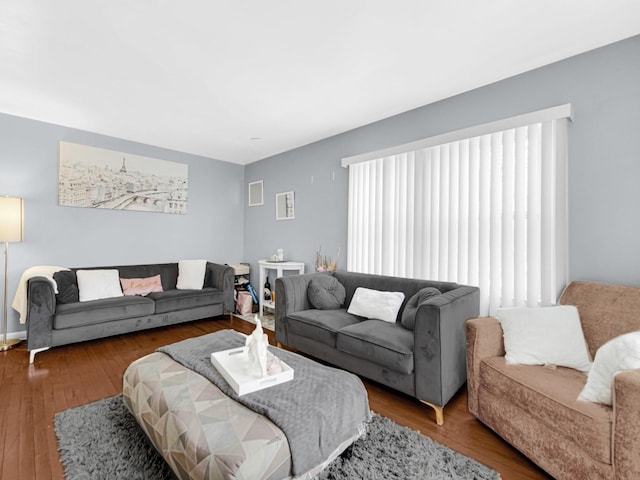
(488, 210)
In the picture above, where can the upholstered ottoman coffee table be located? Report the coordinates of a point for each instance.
(205, 431)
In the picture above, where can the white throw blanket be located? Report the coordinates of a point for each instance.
(19, 303)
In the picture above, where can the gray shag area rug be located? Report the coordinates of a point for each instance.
(101, 440)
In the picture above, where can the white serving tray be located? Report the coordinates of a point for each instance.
(232, 365)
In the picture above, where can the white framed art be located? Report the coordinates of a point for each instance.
(255, 190)
(285, 206)
(92, 177)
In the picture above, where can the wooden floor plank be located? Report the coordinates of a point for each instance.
(73, 375)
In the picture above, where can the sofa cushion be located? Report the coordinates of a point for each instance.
(618, 354)
(67, 286)
(98, 284)
(384, 343)
(70, 315)
(550, 396)
(544, 336)
(191, 274)
(408, 318)
(376, 304)
(172, 300)
(320, 325)
(325, 292)
(168, 273)
(141, 286)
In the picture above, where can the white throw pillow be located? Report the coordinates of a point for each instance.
(544, 336)
(376, 304)
(618, 354)
(97, 284)
(191, 274)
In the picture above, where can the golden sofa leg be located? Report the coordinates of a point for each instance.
(439, 412)
(278, 344)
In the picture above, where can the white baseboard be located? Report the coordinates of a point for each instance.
(22, 335)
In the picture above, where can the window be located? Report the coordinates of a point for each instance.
(484, 206)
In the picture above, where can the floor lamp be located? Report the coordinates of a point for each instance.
(11, 220)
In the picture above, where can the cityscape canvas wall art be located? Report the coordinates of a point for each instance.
(99, 178)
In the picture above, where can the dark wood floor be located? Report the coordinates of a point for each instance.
(73, 375)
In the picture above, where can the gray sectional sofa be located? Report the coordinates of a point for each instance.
(427, 361)
(59, 319)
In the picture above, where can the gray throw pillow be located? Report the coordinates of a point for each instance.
(67, 286)
(408, 319)
(326, 292)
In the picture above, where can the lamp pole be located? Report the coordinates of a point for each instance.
(6, 344)
(11, 229)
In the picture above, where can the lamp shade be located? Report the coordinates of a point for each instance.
(11, 219)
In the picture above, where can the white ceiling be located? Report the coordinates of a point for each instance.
(208, 77)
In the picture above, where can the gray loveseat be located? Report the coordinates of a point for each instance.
(427, 362)
(54, 320)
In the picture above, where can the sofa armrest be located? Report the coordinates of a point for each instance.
(291, 296)
(439, 343)
(484, 340)
(626, 424)
(41, 307)
(222, 277)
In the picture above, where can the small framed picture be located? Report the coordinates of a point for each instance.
(285, 208)
(255, 194)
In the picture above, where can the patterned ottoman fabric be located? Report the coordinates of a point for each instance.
(200, 432)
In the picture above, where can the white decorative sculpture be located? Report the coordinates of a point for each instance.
(257, 343)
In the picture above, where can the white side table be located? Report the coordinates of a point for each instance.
(279, 267)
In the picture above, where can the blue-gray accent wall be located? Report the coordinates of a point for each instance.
(77, 237)
(603, 86)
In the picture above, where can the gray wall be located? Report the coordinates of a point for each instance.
(76, 237)
(604, 194)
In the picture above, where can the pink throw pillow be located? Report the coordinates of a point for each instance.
(141, 286)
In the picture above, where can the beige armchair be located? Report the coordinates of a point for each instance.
(535, 408)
